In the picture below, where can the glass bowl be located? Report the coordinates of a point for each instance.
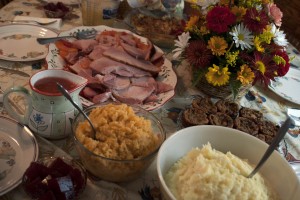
(161, 30)
(59, 177)
(128, 151)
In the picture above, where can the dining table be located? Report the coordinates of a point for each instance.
(272, 104)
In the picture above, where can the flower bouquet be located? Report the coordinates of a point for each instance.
(234, 43)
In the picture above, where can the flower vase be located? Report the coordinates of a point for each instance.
(222, 92)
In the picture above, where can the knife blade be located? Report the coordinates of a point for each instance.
(14, 71)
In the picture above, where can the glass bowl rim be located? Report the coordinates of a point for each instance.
(146, 157)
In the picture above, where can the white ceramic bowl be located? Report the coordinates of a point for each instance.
(276, 170)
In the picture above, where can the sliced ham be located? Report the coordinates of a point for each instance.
(151, 98)
(106, 65)
(108, 40)
(136, 52)
(143, 82)
(133, 94)
(102, 97)
(163, 87)
(85, 45)
(121, 56)
(93, 82)
(115, 82)
(89, 93)
(129, 39)
(71, 57)
(96, 54)
(82, 63)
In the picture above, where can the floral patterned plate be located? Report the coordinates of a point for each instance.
(18, 42)
(18, 148)
(167, 74)
(287, 86)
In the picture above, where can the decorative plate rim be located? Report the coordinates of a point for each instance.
(34, 145)
(29, 29)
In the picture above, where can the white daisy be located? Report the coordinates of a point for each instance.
(242, 37)
(279, 36)
(181, 43)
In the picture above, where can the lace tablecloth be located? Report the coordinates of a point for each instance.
(147, 186)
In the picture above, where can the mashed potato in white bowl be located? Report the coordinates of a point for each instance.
(211, 162)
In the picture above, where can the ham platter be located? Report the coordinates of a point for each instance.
(119, 65)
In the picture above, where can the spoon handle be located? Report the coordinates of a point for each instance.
(280, 134)
(67, 95)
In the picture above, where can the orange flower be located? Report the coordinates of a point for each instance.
(217, 45)
(239, 12)
(245, 75)
(192, 21)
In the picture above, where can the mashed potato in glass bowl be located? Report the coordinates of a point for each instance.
(210, 174)
(127, 140)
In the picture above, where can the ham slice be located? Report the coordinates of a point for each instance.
(96, 54)
(136, 52)
(82, 63)
(102, 97)
(106, 65)
(163, 87)
(129, 39)
(115, 82)
(89, 92)
(143, 82)
(121, 56)
(108, 40)
(85, 45)
(133, 94)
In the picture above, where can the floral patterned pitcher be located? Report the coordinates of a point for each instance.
(48, 114)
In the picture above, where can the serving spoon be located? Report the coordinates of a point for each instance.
(80, 35)
(280, 134)
(67, 95)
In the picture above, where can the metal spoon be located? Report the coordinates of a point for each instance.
(67, 95)
(280, 134)
(80, 35)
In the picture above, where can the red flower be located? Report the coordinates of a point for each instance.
(262, 65)
(255, 21)
(269, 68)
(283, 69)
(219, 19)
(198, 54)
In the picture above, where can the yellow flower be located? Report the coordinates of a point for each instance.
(266, 36)
(257, 44)
(279, 60)
(245, 75)
(192, 21)
(224, 2)
(231, 57)
(260, 66)
(239, 12)
(203, 30)
(217, 76)
(217, 45)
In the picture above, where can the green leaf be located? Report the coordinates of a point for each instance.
(197, 75)
(235, 87)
